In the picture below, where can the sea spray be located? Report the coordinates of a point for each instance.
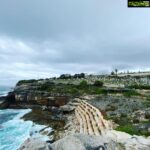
(14, 131)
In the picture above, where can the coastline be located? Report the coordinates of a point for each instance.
(16, 127)
(69, 109)
(70, 132)
(73, 136)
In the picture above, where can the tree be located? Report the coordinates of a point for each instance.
(81, 75)
(112, 73)
(116, 71)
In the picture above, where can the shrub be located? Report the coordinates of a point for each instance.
(131, 93)
(81, 75)
(135, 86)
(98, 83)
(128, 129)
(26, 81)
(46, 86)
(83, 84)
(74, 91)
(97, 90)
(65, 76)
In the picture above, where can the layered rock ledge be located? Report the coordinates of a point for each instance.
(88, 130)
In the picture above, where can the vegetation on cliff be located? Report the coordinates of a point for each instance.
(123, 99)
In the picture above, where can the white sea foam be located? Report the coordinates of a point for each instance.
(14, 131)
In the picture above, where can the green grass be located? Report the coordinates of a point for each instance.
(128, 129)
(131, 93)
(132, 130)
(26, 81)
(96, 90)
(135, 86)
(82, 88)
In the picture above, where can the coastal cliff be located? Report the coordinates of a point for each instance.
(68, 106)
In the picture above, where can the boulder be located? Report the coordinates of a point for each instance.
(34, 144)
(85, 142)
(67, 108)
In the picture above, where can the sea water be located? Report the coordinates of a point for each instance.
(4, 90)
(14, 130)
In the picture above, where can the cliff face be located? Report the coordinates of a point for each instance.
(29, 94)
(128, 107)
(88, 130)
(86, 114)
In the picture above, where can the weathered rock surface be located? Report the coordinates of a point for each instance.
(73, 142)
(67, 108)
(119, 108)
(92, 123)
(112, 141)
(34, 144)
(105, 139)
(85, 142)
(129, 142)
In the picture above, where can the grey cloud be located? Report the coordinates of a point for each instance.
(43, 38)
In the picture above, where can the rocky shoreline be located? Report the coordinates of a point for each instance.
(68, 134)
(63, 106)
(72, 136)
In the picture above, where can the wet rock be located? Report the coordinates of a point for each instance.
(3, 104)
(11, 98)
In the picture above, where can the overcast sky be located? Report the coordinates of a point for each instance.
(44, 38)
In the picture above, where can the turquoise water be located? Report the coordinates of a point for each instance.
(13, 130)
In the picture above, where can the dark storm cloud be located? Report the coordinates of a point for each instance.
(43, 38)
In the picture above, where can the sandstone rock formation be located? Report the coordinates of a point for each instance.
(92, 123)
(85, 142)
(96, 133)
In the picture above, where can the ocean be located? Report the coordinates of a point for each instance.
(4, 90)
(14, 130)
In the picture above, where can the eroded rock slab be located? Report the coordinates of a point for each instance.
(34, 144)
(86, 142)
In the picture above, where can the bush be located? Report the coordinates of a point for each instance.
(128, 129)
(98, 83)
(46, 86)
(131, 93)
(74, 91)
(81, 75)
(97, 90)
(65, 76)
(26, 81)
(135, 86)
(83, 84)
